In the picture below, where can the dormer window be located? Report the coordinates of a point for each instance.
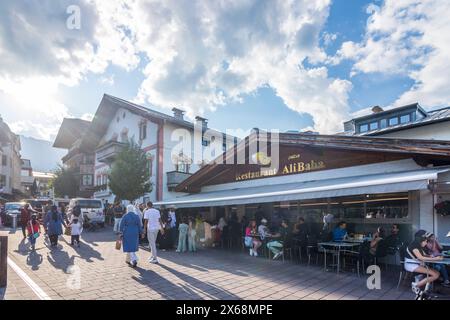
(363, 128)
(405, 118)
(393, 121)
(373, 125)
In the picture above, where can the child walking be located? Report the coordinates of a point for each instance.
(75, 231)
(183, 229)
(34, 230)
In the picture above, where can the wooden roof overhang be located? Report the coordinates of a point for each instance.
(424, 152)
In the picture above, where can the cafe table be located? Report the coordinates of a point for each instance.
(338, 246)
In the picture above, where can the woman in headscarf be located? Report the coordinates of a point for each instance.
(53, 223)
(130, 230)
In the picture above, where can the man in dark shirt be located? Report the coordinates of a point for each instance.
(393, 240)
(25, 216)
(284, 240)
(118, 214)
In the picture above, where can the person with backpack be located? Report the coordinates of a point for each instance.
(34, 230)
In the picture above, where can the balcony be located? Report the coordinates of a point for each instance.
(174, 178)
(87, 169)
(108, 152)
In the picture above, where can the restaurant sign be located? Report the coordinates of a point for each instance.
(291, 164)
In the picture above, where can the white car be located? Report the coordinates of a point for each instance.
(90, 208)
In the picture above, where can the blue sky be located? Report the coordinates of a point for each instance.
(266, 64)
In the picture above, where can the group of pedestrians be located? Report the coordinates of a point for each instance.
(52, 219)
(134, 225)
(159, 228)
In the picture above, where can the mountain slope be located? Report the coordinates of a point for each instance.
(43, 156)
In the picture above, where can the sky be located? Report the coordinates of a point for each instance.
(284, 65)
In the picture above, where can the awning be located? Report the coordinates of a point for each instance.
(365, 184)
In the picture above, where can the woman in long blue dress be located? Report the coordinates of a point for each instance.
(53, 222)
(130, 230)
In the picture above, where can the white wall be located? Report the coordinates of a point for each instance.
(131, 122)
(437, 131)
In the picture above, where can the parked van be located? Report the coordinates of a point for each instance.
(90, 208)
(59, 201)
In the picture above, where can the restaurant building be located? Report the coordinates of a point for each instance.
(366, 181)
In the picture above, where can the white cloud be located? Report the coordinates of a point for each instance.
(205, 54)
(201, 54)
(38, 54)
(87, 116)
(109, 80)
(411, 38)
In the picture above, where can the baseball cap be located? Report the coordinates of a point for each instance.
(263, 220)
(420, 233)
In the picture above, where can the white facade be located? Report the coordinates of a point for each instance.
(10, 168)
(126, 125)
(434, 131)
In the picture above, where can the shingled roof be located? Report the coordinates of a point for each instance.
(70, 131)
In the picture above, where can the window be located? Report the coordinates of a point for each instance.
(124, 137)
(87, 180)
(363, 128)
(90, 204)
(393, 121)
(142, 130)
(89, 159)
(182, 167)
(2, 180)
(205, 143)
(99, 180)
(4, 161)
(374, 125)
(149, 166)
(405, 118)
(383, 123)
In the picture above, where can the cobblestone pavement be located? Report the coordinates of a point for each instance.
(207, 274)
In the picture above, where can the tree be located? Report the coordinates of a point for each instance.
(65, 182)
(129, 176)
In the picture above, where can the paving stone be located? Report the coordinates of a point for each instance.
(209, 274)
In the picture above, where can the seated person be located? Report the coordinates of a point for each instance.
(340, 232)
(276, 246)
(263, 230)
(375, 244)
(434, 249)
(250, 241)
(300, 231)
(393, 240)
(414, 262)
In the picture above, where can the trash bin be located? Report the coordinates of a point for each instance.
(14, 221)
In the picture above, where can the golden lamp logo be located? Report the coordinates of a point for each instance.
(261, 158)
